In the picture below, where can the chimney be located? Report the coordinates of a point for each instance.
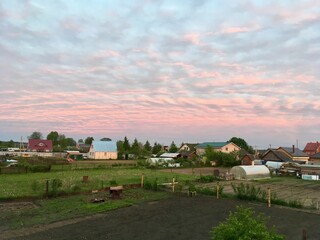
(292, 148)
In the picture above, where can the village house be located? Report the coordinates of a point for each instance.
(315, 158)
(295, 154)
(103, 150)
(188, 150)
(39, 145)
(225, 147)
(312, 148)
(274, 155)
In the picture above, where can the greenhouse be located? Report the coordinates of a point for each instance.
(250, 172)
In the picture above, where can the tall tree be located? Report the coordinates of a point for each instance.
(126, 145)
(241, 143)
(88, 140)
(121, 152)
(53, 136)
(156, 148)
(147, 146)
(36, 135)
(173, 148)
(135, 148)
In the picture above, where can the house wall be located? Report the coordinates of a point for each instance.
(104, 155)
(230, 147)
(246, 160)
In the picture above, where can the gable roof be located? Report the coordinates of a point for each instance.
(191, 146)
(311, 147)
(280, 156)
(104, 146)
(39, 144)
(212, 144)
(296, 153)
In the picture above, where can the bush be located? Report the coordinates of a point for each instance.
(245, 224)
(208, 178)
(151, 185)
(249, 192)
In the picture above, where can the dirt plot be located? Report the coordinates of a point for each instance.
(176, 218)
(306, 192)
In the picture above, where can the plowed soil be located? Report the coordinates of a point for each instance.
(179, 217)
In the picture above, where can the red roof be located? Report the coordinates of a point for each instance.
(311, 147)
(40, 145)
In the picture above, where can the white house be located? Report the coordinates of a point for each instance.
(103, 150)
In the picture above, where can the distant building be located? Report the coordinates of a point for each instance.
(39, 145)
(225, 147)
(312, 148)
(103, 150)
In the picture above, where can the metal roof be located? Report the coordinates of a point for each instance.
(169, 155)
(212, 144)
(104, 146)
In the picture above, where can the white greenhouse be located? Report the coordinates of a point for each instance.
(250, 172)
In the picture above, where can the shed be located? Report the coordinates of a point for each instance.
(250, 172)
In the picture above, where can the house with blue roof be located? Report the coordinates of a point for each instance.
(225, 147)
(103, 150)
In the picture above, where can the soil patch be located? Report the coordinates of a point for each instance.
(177, 218)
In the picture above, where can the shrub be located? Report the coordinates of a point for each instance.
(205, 179)
(151, 185)
(249, 192)
(245, 224)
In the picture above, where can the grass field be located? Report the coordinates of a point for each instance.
(51, 210)
(34, 184)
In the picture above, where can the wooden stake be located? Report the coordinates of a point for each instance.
(172, 184)
(142, 180)
(47, 188)
(217, 190)
(269, 197)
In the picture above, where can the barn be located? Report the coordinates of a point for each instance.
(250, 172)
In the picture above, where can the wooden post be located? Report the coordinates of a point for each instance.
(304, 234)
(269, 197)
(217, 190)
(47, 188)
(142, 180)
(172, 184)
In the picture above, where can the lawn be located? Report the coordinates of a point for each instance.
(34, 184)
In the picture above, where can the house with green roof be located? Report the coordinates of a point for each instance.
(225, 147)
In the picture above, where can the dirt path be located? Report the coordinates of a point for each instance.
(176, 218)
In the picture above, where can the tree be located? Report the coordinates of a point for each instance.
(241, 143)
(80, 140)
(88, 140)
(147, 146)
(156, 148)
(53, 136)
(245, 224)
(36, 135)
(173, 148)
(71, 142)
(120, 149)
(105, 139)
(135, 148)
(126, 145)
(220, 158)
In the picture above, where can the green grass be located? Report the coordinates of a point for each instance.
(34, 184)
(57, 209)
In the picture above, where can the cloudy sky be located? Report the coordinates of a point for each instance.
(161, 70)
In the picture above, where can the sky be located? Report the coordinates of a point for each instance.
(183, 71)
